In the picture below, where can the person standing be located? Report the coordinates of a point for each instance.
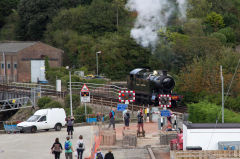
(80, 147)
(126, 117)
(112, 118)
(68, 148)
(140, 120)
(57, 148)
(109, 155)
(70, 121)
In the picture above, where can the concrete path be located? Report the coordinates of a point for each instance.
(37, 146)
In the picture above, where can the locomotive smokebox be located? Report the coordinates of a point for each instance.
(164, 72)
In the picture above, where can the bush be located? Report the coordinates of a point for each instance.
(75, 101)
(205, 112)
(79, 113)
(229, 33)
(221, 37)
(53, 104)
(43, 101)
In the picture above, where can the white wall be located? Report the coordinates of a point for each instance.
(208, 138)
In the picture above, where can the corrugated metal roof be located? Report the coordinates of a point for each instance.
(14, 47)
(212, 125)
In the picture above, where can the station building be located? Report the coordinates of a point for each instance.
(25, 61)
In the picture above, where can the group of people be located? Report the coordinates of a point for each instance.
(57, 148)
(126, 119)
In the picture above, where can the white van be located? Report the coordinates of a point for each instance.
(44, 119)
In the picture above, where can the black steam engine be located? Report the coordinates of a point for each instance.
(149, 85)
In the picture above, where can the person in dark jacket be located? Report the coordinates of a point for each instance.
(56, 148)
(70, 121)
(109, 155)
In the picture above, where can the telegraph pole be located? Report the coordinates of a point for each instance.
(222, 94)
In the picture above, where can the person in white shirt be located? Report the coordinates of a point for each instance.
(80, 147)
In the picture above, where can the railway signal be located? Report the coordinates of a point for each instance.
(85, 94)
(165, 100)
(126, 96)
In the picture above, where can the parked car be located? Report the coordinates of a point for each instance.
(44, 119)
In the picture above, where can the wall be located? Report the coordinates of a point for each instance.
(208, 138)
(37, 51)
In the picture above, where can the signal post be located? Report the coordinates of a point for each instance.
(85, 96)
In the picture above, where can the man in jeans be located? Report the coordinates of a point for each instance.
(112, 118)
(68, 148)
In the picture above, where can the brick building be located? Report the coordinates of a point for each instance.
(24, 61)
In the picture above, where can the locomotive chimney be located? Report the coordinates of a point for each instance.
(164, 72)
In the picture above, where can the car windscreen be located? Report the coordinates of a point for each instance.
(33, 118)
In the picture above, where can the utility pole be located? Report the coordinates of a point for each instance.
(70, 85)
(222, 94)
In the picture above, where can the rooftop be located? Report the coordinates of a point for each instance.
(212, 125)
(13, 47)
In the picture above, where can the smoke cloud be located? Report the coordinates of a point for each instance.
(153, 15)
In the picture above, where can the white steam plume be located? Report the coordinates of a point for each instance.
(151, 16)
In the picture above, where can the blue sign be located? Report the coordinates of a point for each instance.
(165, 113)
(121, 107)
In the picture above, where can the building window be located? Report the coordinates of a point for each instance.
(2, 66)
(15, 66)
(9, 65)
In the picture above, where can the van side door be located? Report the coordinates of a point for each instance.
(42, 123)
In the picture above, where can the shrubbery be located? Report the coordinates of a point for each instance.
(205, 112)
(79, 113)
(75, 101)
(53, 104)
(43, 101)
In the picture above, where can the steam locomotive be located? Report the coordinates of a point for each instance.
(149, 85)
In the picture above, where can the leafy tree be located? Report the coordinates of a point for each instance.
(75, 101)
(221, 37)
(214, 21)
(43, 101)
(6, 8)
(53, 104)
(8, 31)
(35, 15)
(229, 33)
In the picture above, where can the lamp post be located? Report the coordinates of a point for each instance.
(99, 52)
(70, 89)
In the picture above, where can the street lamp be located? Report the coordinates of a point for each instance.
(70, 89)
(99, 52)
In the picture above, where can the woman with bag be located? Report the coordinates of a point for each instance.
(57, 148)
(80, 147)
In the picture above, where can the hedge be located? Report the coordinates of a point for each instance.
(205, 112)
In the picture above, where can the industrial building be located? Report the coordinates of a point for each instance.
(24, 61)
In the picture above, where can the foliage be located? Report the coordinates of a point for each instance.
(204, 112)
(42, 102)
(53, 104)
(221, 37)
(6, 8)
(75, 101)
(229, 33)
(214, 21)
(203, 74)
(8, 31)
(47, 67)
(35, 15)
(79, 113)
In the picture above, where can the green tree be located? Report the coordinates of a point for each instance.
(35, 15)
(6, 8)
(229, 33)
(221, 37)
(214, 22)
